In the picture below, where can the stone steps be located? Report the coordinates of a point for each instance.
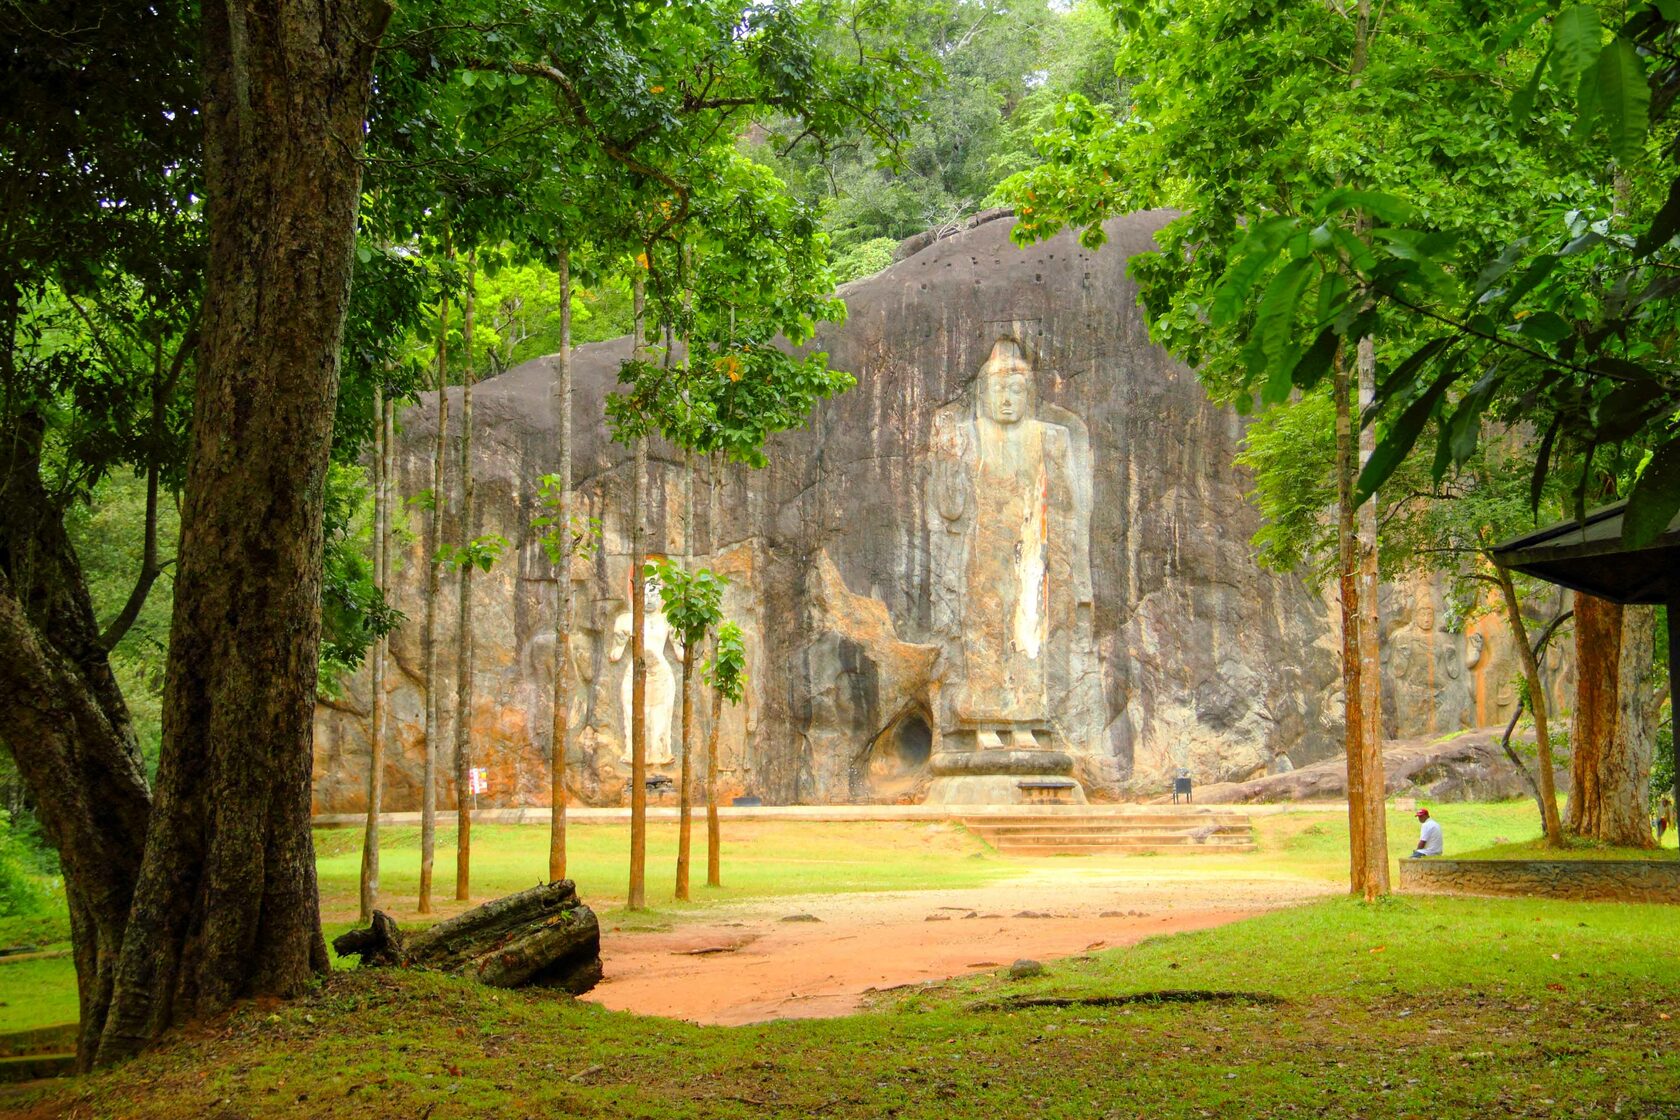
(42, 1052)
(1063, 833)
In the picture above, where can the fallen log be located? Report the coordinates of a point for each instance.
(542, 937)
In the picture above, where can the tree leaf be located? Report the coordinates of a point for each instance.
(1542, 464)
(1275, 320)
(1664, 226)
(1576, 39)
(1655, 498)
(1522, 102)
(1624, 99)
(1315, 363)
(1397, 443)
(1405, 374)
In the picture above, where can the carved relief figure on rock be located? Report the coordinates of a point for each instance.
(661, 679)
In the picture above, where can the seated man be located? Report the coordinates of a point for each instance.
(1429, 837)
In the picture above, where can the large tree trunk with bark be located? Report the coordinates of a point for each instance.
(1598, 655)
(1612, 736)
(560, 718)
(225, 906)
(65, 723)
(464, 646)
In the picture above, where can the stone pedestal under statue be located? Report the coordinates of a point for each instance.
(1002, 764)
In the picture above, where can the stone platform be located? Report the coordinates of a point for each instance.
(1099, 830)
(1610, 880)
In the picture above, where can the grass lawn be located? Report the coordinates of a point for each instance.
(761, 859)
(1415, 1007)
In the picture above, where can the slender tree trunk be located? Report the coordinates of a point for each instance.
(638, 655)
(714, 860)
(1674, 703)
(1347, 567)
(560, 725)
(429, 643)
(685, 781)
(465, 799)
(376, 672)
(1537, 695)
(1373, 781)
(714, 865)
(226, 905)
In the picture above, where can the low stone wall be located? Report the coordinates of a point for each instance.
(1632, 880)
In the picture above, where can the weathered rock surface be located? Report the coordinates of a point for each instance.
(905, 554)
(1468, 767)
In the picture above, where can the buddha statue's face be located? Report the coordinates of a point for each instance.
(1008, 393)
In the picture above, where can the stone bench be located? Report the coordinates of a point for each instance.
(1628, 880)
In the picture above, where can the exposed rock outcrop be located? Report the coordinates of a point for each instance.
(865, 563)
(1468, 767)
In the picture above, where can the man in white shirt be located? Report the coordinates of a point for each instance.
(1429, 837)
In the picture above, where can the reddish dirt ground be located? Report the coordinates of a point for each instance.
(747, 964)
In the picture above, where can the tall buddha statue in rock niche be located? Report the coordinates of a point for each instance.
(1013, 581)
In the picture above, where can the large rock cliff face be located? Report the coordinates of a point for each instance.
(918, 548)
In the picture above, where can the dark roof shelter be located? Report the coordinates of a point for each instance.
(1588, 555)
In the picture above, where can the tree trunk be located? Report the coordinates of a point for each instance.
(1372, 781)
(714, 860)
(226, 906)
(638, 655)
(1537, 696)
(713, 857)
(465, 799)
(376, 671)
(63, 718)
(1347, 567)
(1598, 654)
(89, 792)
(685, 782)
(543, 937)
(429, 643)
(1612, 735)
(560, 721)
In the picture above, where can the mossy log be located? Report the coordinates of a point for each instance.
(543, 937)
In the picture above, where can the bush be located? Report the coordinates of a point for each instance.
(21, 890)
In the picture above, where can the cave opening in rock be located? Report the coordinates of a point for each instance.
(898, 758)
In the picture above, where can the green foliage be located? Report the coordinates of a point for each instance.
(1291, 453)
(354, 613)
(864, 259)
(580, 538)
(726, 670)
(996, 68)
(480, 552)
(693, 601)
(21, 890)
(1551, 303)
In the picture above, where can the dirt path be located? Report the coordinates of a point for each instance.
(748, 963)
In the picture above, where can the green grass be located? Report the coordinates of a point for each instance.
(760, 859)
(1418, 1007)
(37, 993)
(1573, 849)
